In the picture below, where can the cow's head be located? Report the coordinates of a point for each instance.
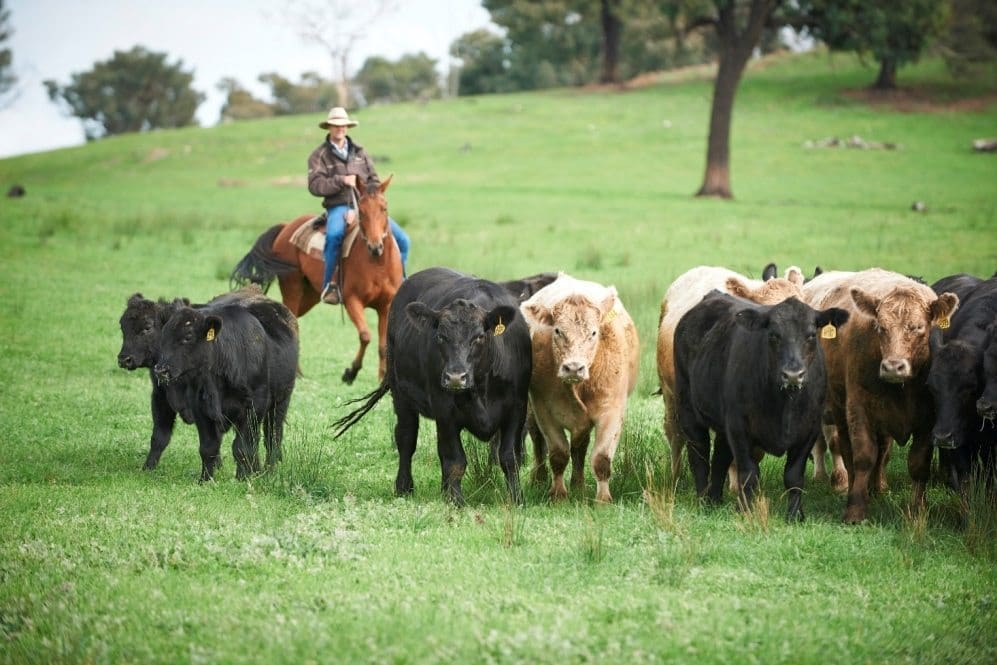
(185, 342)
(771, 291)
(463, 332)
(986, 405)
(792, 329)
(902, 320)
(955, 380)
(575, 322)
(140, 326)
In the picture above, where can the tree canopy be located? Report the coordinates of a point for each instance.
(7, 77)
(134, 91)
(412, 76)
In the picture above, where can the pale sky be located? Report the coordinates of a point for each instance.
(242, 39)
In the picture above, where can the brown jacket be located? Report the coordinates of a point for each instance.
(326, 171)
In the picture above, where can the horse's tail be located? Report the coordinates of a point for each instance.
(261, 265)
(369, 400)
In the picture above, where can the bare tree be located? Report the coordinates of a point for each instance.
(8, 80)
(336, 26)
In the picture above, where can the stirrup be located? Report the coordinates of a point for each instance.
(331, 294)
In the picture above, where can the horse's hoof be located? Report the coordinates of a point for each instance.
(348, 376)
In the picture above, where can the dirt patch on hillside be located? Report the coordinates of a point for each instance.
(919, 100)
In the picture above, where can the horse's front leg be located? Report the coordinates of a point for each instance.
(354, 309)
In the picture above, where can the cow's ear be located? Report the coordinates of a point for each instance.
(834, 316)
(422, 315)
(536, 314)
(608, 303)
(866, 303)
(752, 319)
(736, 287)
(769, 272)
(211, 327)
(499, 318)
(794, 275)
(944, 307)
(135, 299)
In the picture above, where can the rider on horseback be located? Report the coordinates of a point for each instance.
(333, 170)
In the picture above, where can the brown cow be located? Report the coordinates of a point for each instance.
(585, 356)
(683, 294)
(876, 371)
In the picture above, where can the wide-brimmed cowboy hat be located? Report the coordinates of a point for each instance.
(339, 118)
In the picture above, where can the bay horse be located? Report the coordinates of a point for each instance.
(367, 278)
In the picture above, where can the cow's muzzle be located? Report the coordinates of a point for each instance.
(894, 370)
(793, 379)
(126, 361)
(573, 372)
(455, 382)
(943, 441)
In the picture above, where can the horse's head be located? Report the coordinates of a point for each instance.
(373, 211)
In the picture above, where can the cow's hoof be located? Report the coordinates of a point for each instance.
(558, 495)
(854, 515)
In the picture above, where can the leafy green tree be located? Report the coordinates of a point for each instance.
(134, 91)
(410, 77)
(240, 103)
(484, 63)
(7, 77)
(969, 39)
(310, 95)
(894, 33)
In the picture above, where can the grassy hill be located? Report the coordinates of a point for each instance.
(318, 561)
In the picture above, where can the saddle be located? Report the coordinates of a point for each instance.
(310, 237)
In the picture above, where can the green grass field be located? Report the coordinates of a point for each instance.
(318, 561)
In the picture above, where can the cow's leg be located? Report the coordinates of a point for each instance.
(698, 452)
(273, 431)
(676, 442)
(839, 474)
(608, 428)
(919, 467)
(720, 466)
(747, 468)
(882, 459)
(245, 445)
(512, 433)
(819, 454)
(557, 449)
(793, 477)
(539, 473)
(860, 452)
(210, 441)
(382, 342)
(163, 420)
(354, 309)
(579, 449)
(453, 462)
(406, 436)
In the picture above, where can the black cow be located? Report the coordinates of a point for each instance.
(755, 375)
(459, 354)
(958, 378)
(524, 288)
(141, 325)
(236, 362)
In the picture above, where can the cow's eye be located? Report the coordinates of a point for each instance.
(557, 331)
(479, 338)
(811, 337)
(594, 333)
(440, 339)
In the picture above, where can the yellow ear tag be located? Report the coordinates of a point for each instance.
(828, 332)
(944, 323)
(211, 335)
(610, 315)
(499, 329)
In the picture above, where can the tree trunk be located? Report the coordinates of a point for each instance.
(887, 79)
(611, 29)
(735, 49)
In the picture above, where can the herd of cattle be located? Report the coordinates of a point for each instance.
(850, 361)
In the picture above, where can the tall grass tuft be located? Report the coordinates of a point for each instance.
(304, 472)
(981, 519)
(754, 518)
(593, 550)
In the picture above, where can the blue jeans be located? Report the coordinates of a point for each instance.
(335, 229)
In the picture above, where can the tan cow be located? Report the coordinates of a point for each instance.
(682, 295)
(877, 366)
(585, 357)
